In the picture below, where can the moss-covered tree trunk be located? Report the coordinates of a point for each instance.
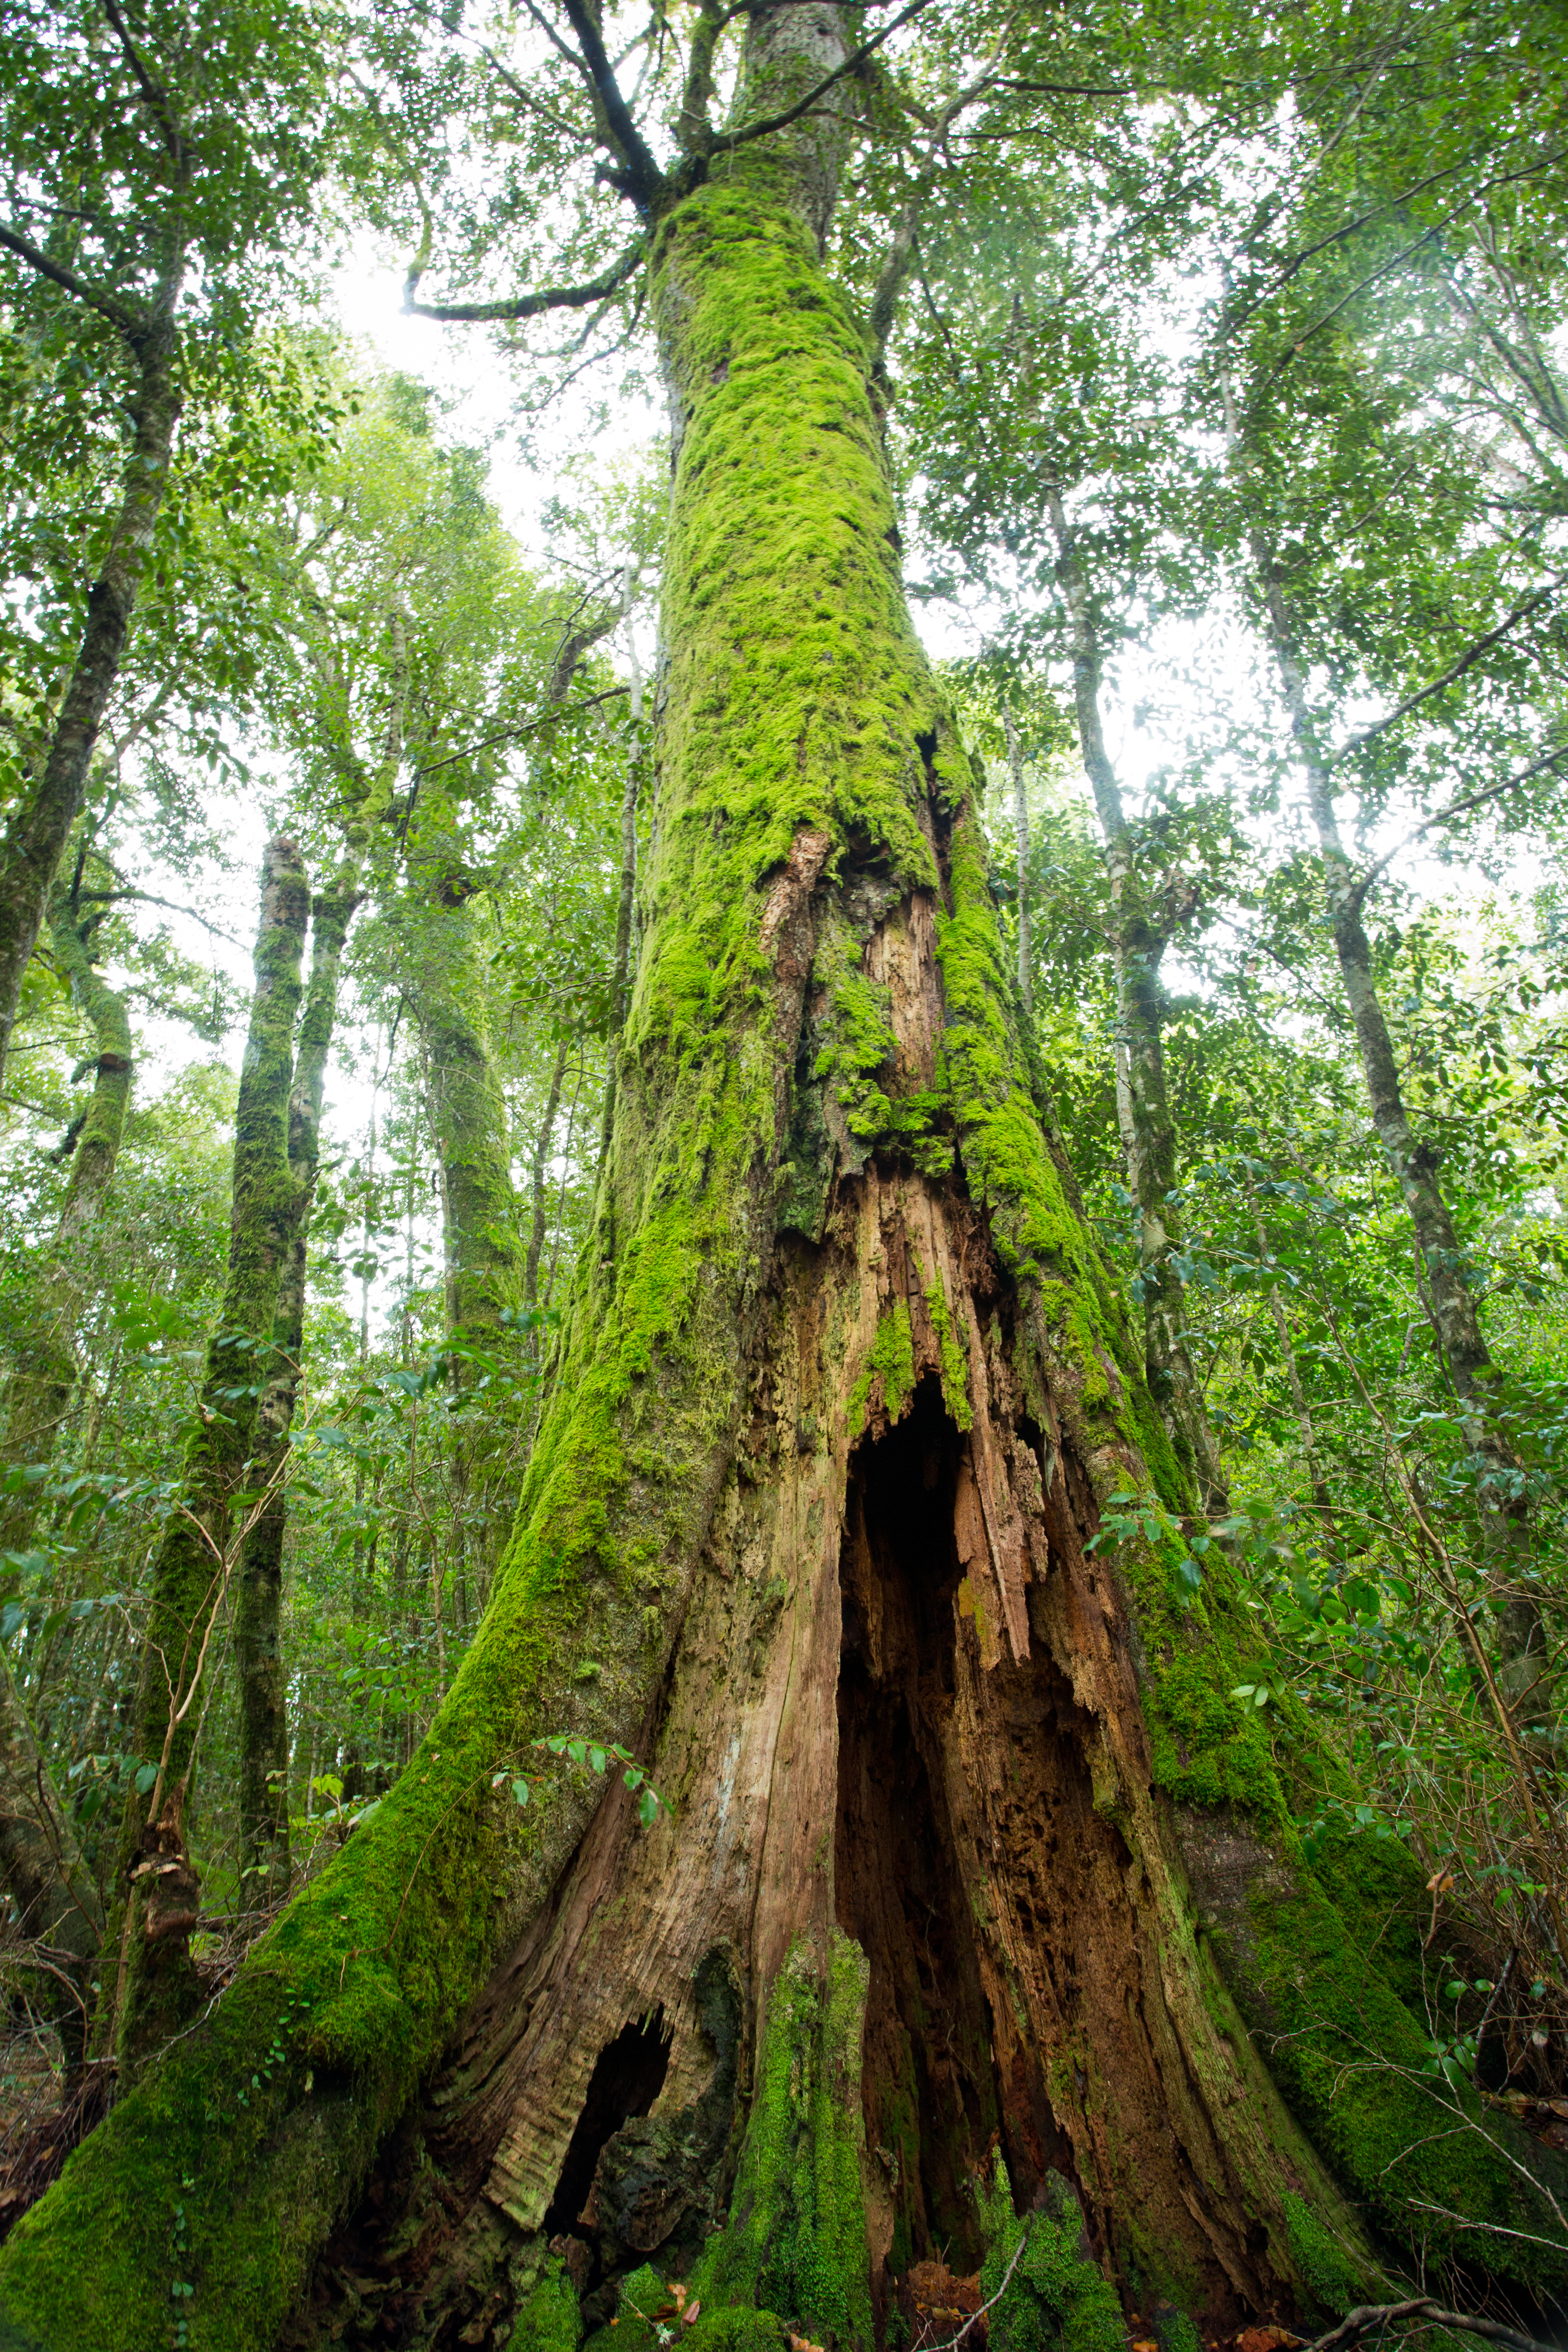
(149, 1986)
(972, 1854)
(259, 1594)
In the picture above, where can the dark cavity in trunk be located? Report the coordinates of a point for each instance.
(967, 1848)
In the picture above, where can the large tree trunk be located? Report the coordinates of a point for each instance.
(971, 1848)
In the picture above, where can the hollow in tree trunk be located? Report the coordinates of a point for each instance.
(972, 1852)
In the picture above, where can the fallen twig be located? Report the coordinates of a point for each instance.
(1007, 2275)
(1367, 2317)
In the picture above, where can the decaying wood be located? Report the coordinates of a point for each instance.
(904, 1704)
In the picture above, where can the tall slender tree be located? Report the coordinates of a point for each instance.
(162, 181)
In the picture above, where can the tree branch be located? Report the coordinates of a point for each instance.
(154, 92)
(644, 178)
(896, 264)
(527, 306)
(147, 899)
(129, 324)
(1455, 808)
(1472, 653)
(1072, 88)
(693, 123)
(727, 143)
(515, 734)
(1367, 2316)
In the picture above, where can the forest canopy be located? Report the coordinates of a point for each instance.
(784, 1149)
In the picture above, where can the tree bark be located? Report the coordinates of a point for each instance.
(153, 1989)
(44, 1374)
(36, 834)
(1138, 943)
(626, 899)
(259, 1598)
(971, 1848)
(1020, 831)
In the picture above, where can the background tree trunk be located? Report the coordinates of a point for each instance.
(258, 1597)
(1138, 943)
(36, 834)
(41, 1866)
(57, 1902)
(44, 1374)
(1444, 1261)
(153, 1986)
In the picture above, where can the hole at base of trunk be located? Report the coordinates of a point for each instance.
(628, 2076)
(947, 2081)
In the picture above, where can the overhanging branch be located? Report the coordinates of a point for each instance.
(1466, 660)
(1455, 808)
(528, 306)
(107, 307)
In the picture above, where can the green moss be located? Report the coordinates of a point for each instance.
(1358, 2068)
(1056, 2299)
(549, 2321)
(1208, 1748)
(737, 2331)
(889, 1373)
(795, 2241)
(954, 1368)
(1175, 2331)
(1329, 2277)
(733, 2329)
